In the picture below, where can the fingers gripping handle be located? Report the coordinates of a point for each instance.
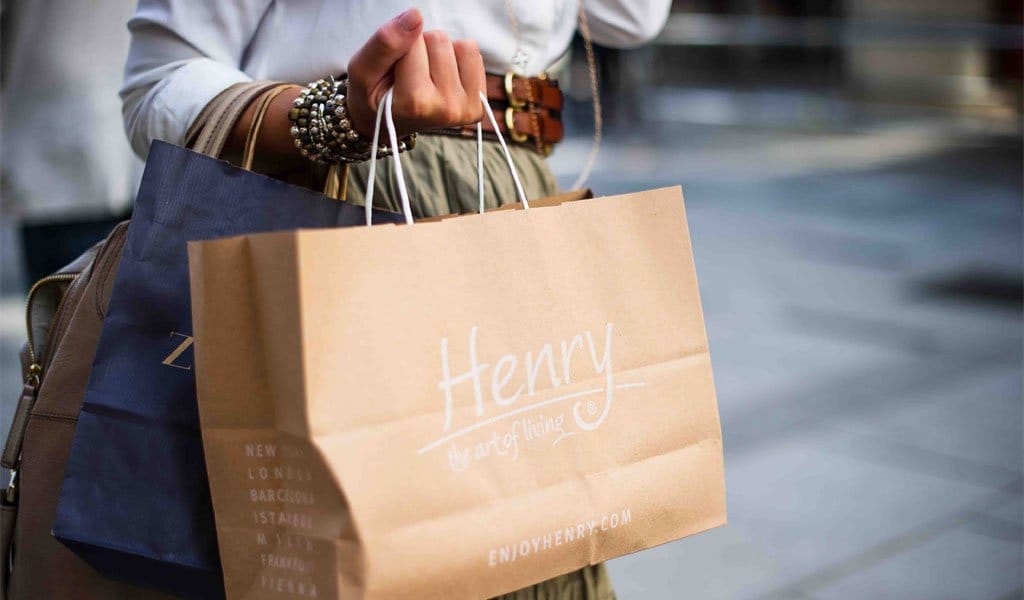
(384, 110)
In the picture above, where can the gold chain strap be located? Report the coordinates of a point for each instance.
(595, 96)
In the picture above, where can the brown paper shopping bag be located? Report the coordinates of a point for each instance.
(454, 409)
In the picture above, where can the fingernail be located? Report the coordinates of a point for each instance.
(409, 20)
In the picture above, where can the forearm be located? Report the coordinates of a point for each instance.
(182, 54)
(168, 81)
(274, 142)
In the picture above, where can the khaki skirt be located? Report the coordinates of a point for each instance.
(440, 173)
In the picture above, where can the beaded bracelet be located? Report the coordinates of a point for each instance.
(323, 130)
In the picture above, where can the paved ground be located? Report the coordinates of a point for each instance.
(862, 294)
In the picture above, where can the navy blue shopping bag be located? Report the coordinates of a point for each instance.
(135, 502)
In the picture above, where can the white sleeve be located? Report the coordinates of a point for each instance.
(182, 54)
(626, 23)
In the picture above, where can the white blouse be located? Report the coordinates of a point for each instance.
(185, 52)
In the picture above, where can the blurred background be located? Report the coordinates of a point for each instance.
(853, 180)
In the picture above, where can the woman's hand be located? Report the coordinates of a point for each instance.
(437, 81)
(437, 84)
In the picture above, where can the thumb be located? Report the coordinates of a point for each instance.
(386, 47)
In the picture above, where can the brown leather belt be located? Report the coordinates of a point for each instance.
(528, 111)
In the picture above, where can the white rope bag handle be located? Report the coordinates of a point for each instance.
(384, 110)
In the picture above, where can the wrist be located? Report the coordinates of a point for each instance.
(360, 112)
(322, 126)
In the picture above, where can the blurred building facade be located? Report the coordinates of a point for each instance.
(805, 58)
(68, 173)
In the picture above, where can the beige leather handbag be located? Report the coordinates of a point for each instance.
(64, 315)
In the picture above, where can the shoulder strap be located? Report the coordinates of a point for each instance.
(257, 121)
(595, 96)
(210, 130)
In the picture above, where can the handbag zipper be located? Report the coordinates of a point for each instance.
(35, 366)
(35, 369)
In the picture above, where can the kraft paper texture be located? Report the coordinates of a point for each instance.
(458, 408)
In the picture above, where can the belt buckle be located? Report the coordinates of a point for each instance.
(510, 94)
(510, 126)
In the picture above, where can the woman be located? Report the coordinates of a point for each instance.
(185, 53)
